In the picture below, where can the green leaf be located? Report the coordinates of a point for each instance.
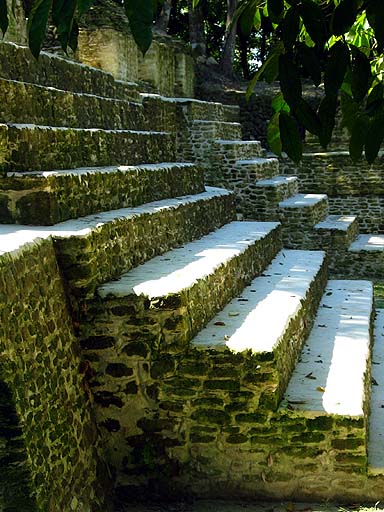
(375, 16)
(310, 62)
(273, 134)
(63, 12)
(344, 16)
(275, 10)
(83, 6)
(3, 16)
(140, 16)
(247, 18)
(290, 137)
(375, 99)
(327, 114)
(278, 103)
(307, 117)
(290, 83)
(349, 110)
(271, 62)
(358, 137)
(37, 25)
(290, 26)
(314, 21)
(374, 138)
(361, 74)
(336, 67)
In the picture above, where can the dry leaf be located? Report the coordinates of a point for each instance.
(270, 460)
(219, 323)
(310, 376)
(233, 313)
(320, 388)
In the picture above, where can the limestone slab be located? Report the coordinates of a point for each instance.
(336, 222)
(368, 242)
(303, 200)
(330, 377)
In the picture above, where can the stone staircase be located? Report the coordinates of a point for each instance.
(212, 356)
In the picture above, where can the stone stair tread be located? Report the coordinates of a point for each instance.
(302, 200)
(368, 242)
(238, 142)
(258, 318)
(330, 377)
(275, 181)
(336, 222)
(255, 161)
(180, 268)
(29, 126)
(13, 236)
(83, 171)
(376, 419)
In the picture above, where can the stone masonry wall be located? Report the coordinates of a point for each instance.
(44, 386)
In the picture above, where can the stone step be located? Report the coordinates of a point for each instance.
(46, 198)
(208, 110)
(366, 257)
(264, 327)
(330, 386)
(52, 71)
(25, 147)
(174, 295)
(94, 249)
(232, 150)
(269, 193)
(203, 131)
(334, 235)
(298, 215)
(376, 418)
(48, 106)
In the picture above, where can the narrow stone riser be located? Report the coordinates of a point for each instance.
(203, 407)
(239, 176)
(262, 203)
(39, 148)
(47, 201)
(298, 224)
(209, 111)
(201, 135)
(160, 114)
(27, 103)
(51, 71)
(335, 244)
(335, 174)
(238, 150)
(116, 247)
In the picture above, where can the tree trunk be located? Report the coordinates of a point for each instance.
(228, 52)
(161, 24)
(196, 30)
(243, 44)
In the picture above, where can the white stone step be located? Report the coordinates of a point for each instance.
(331, 377)
(303, 201)
(341, 223)
(365, 257)
(101, 246)
(181, 268)
(277, 181)
(376, 418)
(270, 320)
(368, 242)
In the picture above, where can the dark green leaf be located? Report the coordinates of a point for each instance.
(247, 18)
(314, 21)
(83, 6)
(290, 26)
(270, 63)
(37, 24)
(335, 68)
(3, 16)
(290, 137)
(327, 114)
(358, 136)
(343, 17)
(140, 16)
(307, 117)
(63, 12)
(374, 138)
(361, 74)
(375, 16)
(273, 134)
(349, 109)
(310, 62)
(375, 99)
(290, 83)
(73, 36)
(275, 10)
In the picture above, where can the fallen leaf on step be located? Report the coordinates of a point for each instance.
(320, 388)
(219, 323)
(321, 325)
(329, 293)
(326, 306)
(233, 313)
(226, 338)
(242, 300)
(374, 382)
(319, 361)
(270, 460)
(310, 376)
